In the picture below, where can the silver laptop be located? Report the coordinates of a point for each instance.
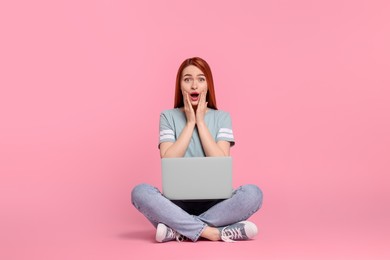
(197, 178)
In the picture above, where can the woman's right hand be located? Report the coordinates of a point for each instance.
(188, 109)
(179, 147)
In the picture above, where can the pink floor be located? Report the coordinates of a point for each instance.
(91, 232)
(136, 242)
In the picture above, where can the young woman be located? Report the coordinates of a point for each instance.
(195, 128)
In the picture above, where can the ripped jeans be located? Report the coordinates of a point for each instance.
(245, 201)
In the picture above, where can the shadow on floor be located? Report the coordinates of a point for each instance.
(146, 235)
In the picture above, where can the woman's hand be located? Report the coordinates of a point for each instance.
(202, 108)
(188, 109)
(209, 145)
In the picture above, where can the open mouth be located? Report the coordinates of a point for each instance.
(194, 96)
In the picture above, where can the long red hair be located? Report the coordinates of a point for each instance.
(205, 68)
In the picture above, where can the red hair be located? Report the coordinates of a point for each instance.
(205, 68)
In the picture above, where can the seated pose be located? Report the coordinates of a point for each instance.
(195, 128)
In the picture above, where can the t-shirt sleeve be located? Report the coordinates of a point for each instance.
(225, 131)
(167, 133)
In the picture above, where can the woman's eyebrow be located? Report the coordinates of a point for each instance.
(191, 75)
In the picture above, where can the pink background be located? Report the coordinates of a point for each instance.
(82, 86)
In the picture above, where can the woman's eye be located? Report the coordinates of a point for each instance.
(202, 79)
(187, 80)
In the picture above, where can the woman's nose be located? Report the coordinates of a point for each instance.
(194, 85)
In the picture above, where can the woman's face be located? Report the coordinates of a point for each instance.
(193, 82)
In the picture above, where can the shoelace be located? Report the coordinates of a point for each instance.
(230, 234)
(171, 234)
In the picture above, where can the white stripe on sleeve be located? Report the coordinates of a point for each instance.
(167, 131)
(162, 137)
(225, 130)
(230, 136)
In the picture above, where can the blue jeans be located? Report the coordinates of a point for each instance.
(245, 201)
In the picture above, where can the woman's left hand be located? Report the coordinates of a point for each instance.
(202, 108)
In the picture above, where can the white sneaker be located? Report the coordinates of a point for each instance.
(243, 230)
(165, 234)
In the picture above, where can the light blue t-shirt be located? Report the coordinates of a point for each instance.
(173, 121)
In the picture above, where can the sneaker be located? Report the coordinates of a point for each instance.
(243, 230)
(165, 234)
